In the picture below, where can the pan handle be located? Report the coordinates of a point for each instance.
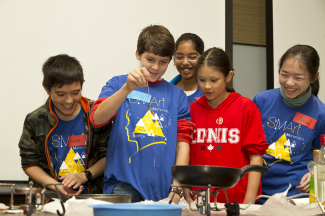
(254, 168)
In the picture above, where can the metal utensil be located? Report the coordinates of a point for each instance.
(149, 101)
(58, 194)
(114, 198)
(220, 177)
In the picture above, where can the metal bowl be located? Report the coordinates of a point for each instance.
(114, 198)
(25, 190)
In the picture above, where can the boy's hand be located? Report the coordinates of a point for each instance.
(68, 191)
(137, 78)
(73, 180)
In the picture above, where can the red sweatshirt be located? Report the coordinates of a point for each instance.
(227, 136)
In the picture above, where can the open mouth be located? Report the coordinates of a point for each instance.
(290, 90)
(186, 70)
(68, 107)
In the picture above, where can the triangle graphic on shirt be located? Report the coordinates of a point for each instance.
(72, 164)
(63, 166)
(151, 133)
(149, 125)
(77, 156)
(280, 149)
(162, 118)
(155, 117)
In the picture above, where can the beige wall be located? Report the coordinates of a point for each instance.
(250, 69)
(299, 22)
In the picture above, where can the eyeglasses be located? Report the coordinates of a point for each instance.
(189, 58)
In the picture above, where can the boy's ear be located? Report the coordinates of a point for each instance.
(137, 55)
(47, 91)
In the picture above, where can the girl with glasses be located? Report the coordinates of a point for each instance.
(189, 47)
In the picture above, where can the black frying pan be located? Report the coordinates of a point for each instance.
(216, 176)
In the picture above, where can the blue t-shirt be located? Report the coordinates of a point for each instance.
(68, 147)
(291, 136)
(141, 148)
(198, 93)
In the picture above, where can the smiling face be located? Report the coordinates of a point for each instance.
(156, 65)
(66, 100)
(186, 68)
(212, 83)
(293, 78)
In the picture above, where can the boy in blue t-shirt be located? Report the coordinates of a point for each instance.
(145, 143)
(58, 142)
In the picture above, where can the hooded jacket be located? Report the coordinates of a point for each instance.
(38, 126)
(227, 136)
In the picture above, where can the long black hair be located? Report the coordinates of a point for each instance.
(308, 58)
(195, 39)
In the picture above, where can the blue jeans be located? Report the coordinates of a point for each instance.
(122, 188)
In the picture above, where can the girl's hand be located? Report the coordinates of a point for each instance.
(304, 183)
(137, 78)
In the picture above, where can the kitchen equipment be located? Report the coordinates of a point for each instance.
(58, 194)
(11, 194)
(136, 209)
(114, 198)
(29, 206)
(217, 177)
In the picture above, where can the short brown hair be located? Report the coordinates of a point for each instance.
(156, 39)
(62, 70)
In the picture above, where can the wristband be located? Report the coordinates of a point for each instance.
(178, 191)
(88, 174)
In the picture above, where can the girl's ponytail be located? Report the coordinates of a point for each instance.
(229, 88)
(315, 87)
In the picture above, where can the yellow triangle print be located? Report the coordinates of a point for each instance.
(280, 149)
(71, 164)
(146, 125)
(140, 127)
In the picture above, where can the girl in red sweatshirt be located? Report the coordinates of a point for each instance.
(229, 129)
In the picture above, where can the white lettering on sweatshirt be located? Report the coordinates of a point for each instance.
(216, 135)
